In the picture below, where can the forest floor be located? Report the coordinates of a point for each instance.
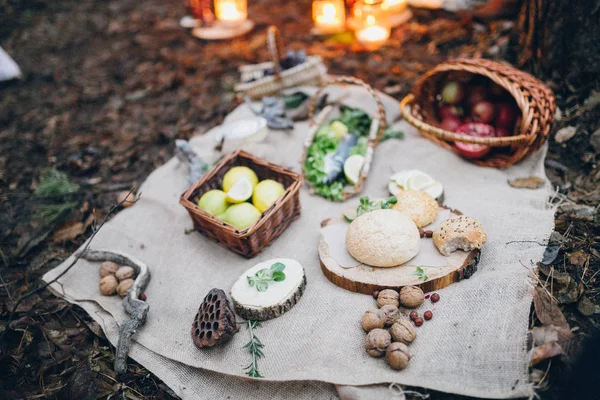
(110, 85)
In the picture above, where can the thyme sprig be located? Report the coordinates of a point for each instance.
(420, 272)
(255, 347)
(262, 278)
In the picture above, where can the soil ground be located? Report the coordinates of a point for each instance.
(110, 85)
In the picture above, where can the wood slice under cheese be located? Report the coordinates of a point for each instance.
(279, 298)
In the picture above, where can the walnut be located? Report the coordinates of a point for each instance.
(411, 296)
(124, 286)
(388, 296)
(403, 331)
(397, 355)
(391, 314)
(373, 319)
(215, 321)
(107, 268)
(124, 273)
(377, 341)
(108, 285)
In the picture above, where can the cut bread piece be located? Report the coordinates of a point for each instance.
(278, 298)
(461, 232)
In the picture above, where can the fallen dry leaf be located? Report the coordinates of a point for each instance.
(68, 232)
(578, 258)
(532, 182)
(586, 306)
(550, 333)
(547, 310)
(545, 352)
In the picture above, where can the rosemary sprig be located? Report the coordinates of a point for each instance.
(254, 346)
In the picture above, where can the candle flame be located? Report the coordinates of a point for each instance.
(371, 20)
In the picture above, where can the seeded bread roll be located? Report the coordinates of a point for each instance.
(460, 232)
(383, 238)
(418, 206)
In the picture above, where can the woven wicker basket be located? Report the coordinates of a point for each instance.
(534, 99)
(311, 72)
(251, 241)
(378, 124)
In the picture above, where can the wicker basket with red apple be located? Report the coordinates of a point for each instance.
(488, 112)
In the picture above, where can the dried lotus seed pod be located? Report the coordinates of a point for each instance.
(388, 296)
(411, 296)
(372, 319)
(107, 268)
(377, 341)
(124, 286)
(403, 332)
(391, 314)
(124, 273)
(215, 321)
(108, 285)
(397, 355)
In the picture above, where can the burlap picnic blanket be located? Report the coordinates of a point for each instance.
(475, 344)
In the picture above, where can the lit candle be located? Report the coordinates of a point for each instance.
(231, 10)
(329, 15)
(372, 36)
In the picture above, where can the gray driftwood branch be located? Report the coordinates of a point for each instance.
(136, 308)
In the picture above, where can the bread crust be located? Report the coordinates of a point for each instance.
(419, 206)
(460, 232)
(383, 238)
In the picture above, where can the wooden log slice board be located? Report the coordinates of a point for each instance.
(339, 267)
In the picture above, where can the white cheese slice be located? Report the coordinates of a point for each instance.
(279, 296)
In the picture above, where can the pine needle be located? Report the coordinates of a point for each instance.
(54, 183)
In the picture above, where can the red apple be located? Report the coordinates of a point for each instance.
(505, 115)
(452, 93)
(450, 111)
(502, 132)
(451, 123)
(497, 90)
(476, 94)
(483, 111)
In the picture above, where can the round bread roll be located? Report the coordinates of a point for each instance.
(383, 238)
(419, 206)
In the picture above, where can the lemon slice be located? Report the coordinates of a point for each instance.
(352, 167)
(419, 181)
(240, 191)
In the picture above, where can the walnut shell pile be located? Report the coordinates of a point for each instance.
(115, 279)
(215, 321)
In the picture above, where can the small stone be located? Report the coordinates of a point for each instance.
(595, 140)
(565, 134)
(586, 306)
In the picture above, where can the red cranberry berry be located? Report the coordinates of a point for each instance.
(435, 298)
(142, 297)
(427, 315)
(413, 315)
(427, 296)
(418, 321)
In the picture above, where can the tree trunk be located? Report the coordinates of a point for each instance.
(560, 40)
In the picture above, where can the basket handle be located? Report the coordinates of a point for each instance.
(275, 44)
(378, 123)
(406, 110)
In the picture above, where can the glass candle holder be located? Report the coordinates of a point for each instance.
(329, 16)
(372, 23)
(231, 11)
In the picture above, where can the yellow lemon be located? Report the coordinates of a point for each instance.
(237, 173)
(213, 202)
(266, 193)
(241, 215)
